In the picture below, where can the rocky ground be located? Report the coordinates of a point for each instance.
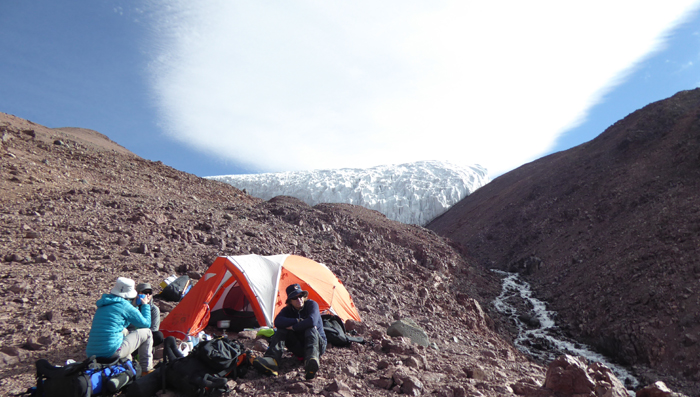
(77, 210)
(607, 234)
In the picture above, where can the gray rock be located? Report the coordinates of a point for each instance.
(408, 328)
(7, 360)
(340, 388)
(32, 234)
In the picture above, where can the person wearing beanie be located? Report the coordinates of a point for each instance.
(300, 330)
(146, 289)
(109, 337)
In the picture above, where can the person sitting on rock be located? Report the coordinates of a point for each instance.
(146, 289)
(300, 329)
(109, 337)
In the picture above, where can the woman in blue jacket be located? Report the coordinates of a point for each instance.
(108, 334)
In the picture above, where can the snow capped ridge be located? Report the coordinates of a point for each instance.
(413, 193)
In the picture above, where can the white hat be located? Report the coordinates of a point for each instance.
(124, 287)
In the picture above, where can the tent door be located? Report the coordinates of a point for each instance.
(234, 306)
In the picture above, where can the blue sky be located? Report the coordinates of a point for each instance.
(226, 87)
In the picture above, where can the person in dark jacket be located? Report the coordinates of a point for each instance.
(108, 334)
(146, 289)
(300, 330)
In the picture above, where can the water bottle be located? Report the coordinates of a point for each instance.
(203, 336)
(194, 340)
(186, 347)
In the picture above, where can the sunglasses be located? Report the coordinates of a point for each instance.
(297, 298)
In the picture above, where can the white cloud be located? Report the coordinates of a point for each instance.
(310, 84)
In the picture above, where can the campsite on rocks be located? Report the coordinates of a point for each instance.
(606, 233)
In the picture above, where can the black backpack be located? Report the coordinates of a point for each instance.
(335, 331)
(205, 371)
(174, 291)
(221, 354)
(85, 379)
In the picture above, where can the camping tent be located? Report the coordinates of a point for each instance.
(256, 284)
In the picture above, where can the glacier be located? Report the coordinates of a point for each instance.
(412, 193)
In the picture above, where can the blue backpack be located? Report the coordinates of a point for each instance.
(85, 379)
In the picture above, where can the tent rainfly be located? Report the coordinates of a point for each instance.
(256, 285)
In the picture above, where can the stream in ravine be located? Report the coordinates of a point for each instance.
(537, 333)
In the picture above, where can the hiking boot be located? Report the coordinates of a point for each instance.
(311, 367)
(266, 365)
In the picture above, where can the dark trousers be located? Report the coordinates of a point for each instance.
(307, 344)
(170, 349)
(158, 338)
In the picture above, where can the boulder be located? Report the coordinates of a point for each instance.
(408, 328)
(568, 375)
(411, 386)
(7, 360)
(658, 389)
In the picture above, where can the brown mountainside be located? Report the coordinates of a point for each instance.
(608, 233)
(77, 211)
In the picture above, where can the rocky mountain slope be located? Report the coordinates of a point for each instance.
(77, 210)
(607, 232)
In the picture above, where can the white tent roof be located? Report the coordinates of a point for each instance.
(263, 276)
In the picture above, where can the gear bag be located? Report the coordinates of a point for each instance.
(335, 331)
(85, 379)
(176, 290)
(205, 370)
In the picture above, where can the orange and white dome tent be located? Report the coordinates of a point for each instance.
(259, 283)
